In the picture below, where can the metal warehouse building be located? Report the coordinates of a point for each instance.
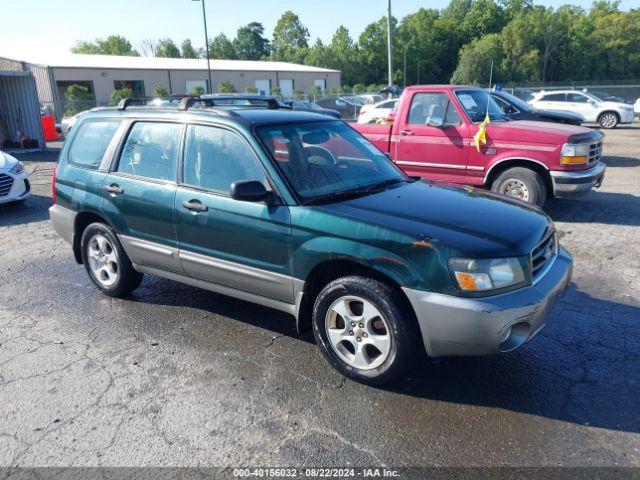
(101, 74)
(19, 106)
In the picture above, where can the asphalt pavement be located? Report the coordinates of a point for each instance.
(177, 376)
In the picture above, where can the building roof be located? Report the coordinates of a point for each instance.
(69, 60)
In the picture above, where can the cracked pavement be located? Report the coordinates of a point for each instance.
(177, 376)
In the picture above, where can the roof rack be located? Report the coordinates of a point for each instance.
(187, 102)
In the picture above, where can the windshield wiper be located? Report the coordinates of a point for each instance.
(356, 192)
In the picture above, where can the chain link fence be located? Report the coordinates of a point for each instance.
(625, 91)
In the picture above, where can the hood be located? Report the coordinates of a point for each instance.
(533, 131)
(7, 161)
(562, 114)
(467, 220)
(616, 105)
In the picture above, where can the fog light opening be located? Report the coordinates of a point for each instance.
(514, 336)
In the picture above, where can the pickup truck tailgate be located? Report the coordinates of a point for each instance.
(379, 135)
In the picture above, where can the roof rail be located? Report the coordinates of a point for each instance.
(130, 101)
(187, 102)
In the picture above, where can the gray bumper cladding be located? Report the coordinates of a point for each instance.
(453, 326)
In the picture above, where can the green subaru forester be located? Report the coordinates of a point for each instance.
(299, 212)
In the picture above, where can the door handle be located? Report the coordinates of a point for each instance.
(195, 206)
(114, 188)
(406, 132)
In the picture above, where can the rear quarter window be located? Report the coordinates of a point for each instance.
(91, 142)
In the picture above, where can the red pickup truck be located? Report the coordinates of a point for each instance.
(432, 136)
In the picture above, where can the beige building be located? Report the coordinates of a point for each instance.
(101, 74)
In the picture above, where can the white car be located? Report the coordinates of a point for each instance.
(607, 113)
(14, 186)
(636, 107)
(377, 111)
(68, 122)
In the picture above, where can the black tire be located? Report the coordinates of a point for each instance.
(127, 278)
(534, 190)
(608, 120)
(404, 334)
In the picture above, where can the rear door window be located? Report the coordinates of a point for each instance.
(152, 151)
(91, 142)
(554, 97)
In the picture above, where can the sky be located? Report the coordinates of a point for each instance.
(37, 27)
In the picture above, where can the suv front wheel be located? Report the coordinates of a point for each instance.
(608, 120)
(364, 329)
(107, 263)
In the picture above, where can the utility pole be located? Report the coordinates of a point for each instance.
(389, 45)
(206, 44)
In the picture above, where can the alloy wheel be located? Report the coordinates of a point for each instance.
(103, 260)
(358, 332)
(608, 120)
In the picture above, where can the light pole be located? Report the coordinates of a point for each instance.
(389, 45)
(206, 44)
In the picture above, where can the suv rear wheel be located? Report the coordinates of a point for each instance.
(608, 120)
(521, 183)
(364, 329)
(107, 263)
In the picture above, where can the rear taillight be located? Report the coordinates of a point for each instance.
(53, 184)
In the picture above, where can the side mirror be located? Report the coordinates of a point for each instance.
(435, 121)
(249, 191)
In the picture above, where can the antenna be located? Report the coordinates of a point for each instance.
(490, 80)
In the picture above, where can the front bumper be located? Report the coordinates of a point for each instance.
(20, 189)
(627, 116)
(567, 183)
(484, 326)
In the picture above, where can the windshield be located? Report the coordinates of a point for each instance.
(518, 102)
(325, 161)
(477, 102)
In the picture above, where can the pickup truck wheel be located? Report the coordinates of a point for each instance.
(364, 329)
(106, 262)
(521, 183)
(608, 120)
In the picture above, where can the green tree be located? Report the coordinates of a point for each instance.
(222, 48)
(117, 95)
(113, 45)
(320, 55)
(166, 48)
(432, 44)
(359, 88)
(474, 66)
(457, 10)
(250, 43)
(373, 49)
(187, 50)
(226, 87)
(290, 39)
(345, 56)
(160, 91)
(519, 40)
(484, 17)
(77, 98)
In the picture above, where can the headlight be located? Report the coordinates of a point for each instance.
(574, 153)
(483, 275)
(17, 169)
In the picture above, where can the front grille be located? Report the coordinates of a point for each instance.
(6, 182)
(544, 254)
(595, 152)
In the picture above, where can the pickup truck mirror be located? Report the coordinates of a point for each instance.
(435, 121)
(249, 191)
